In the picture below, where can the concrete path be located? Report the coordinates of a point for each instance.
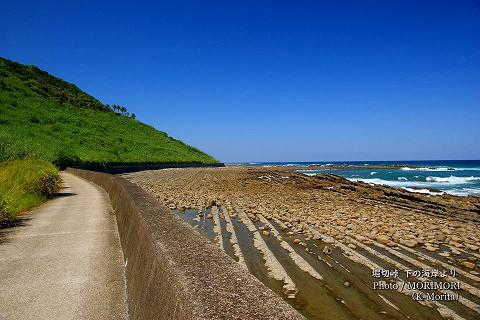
(65, 262)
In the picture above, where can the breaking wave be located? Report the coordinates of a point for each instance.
(428, 169)
(434, 182)
(453, 179)
(441, 169)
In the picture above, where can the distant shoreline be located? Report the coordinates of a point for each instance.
(331, 166)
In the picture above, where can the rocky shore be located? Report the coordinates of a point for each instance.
(388, 215)
(367, 223)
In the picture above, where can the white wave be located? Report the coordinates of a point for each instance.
(425, 191)
(372, 173)
(464, 192)
(428, 169)
(388, 182)
(453, 179)
(430, 184)
(402, 178)
(309, 172)
(443, 169)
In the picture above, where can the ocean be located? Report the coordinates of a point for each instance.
(456, 177)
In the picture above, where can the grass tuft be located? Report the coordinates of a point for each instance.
(25, 184)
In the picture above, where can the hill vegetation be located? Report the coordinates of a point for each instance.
(46, 123)
(43, 117)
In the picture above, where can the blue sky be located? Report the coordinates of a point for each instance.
(272, 80)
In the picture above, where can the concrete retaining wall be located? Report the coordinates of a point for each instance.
(125, 168)
(175, 273)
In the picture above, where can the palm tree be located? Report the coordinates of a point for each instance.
(123, 109)
(133, 116)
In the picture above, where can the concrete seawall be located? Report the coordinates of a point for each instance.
(175, 273)
(126, 168)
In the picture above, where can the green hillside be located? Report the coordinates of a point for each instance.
(43, 117)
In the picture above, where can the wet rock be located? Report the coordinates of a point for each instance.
(327, 250)
(468, 264)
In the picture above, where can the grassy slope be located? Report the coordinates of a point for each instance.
(43, 117)
(24, 184)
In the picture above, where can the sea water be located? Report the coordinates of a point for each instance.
(457, 177)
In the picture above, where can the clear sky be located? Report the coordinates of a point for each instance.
(272, 80)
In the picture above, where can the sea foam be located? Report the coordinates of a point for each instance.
(453, 179)
(428, 169)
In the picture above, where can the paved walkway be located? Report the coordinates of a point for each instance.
(65, 262)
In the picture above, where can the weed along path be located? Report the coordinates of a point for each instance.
(65, 260)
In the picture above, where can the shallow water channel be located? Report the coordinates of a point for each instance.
(344, 290)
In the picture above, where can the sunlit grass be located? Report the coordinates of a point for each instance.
(44, 117)
(25, 184)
